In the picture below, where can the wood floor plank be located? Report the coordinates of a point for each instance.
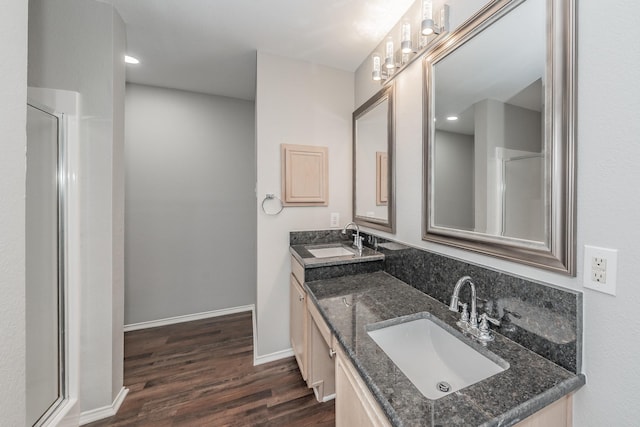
(201, 373)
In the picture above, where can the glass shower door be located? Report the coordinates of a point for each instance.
(44, 268)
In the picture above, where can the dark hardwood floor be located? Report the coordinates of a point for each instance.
(201, 373)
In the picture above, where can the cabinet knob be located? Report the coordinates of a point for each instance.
(332, 353)
(300, 297)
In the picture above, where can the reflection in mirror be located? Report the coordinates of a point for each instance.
(500, 155)
(373, 144)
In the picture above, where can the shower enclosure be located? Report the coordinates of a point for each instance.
(521, 180)
(50, 332)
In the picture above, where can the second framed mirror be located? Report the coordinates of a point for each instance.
(373, 162)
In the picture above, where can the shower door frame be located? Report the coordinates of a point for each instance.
(64, 105)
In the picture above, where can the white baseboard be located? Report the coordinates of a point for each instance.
(188, 318)
(106, 411)
(259, 360)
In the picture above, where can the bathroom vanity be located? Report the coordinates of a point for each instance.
(311, 338)
(336, 304)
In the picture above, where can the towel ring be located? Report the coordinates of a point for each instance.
(272, 197)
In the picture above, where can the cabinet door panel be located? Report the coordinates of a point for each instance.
(298, 324)
(355, 405)
(321, 365)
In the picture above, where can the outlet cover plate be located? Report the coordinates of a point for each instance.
(334, 220)
(600, 269)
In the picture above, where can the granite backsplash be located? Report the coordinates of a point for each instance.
(545, 319)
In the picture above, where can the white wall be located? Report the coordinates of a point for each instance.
(13, 92)
(78, 45)
(296, 103)
(607, 156)
(190, 209)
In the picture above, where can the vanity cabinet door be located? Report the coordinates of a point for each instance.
(321, 365)
(298, 323)
(558, 414)
(355, 405)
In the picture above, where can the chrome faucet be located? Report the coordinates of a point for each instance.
(469, 322)
(357, 240)
(472, 321)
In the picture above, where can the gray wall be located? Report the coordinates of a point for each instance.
(13, 139)
(454, 180)
(190, 203)
(78, 45)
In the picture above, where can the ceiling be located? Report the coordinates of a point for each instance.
(505, 62)
(209, 46)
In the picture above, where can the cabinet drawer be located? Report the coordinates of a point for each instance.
(297, 269)
(320, 323)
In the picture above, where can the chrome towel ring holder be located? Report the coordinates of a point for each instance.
(270, 196)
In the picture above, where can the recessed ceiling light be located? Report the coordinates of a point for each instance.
(131, 60)
(452, 118)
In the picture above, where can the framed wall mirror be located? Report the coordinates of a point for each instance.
(373, 162)
(499, 134)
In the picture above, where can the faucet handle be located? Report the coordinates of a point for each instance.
(464, 316)
(485, 318)
(485, 333)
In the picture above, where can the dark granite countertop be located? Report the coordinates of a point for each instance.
(301, 253)
(531, 382)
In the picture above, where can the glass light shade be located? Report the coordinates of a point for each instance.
(389, 53)
(376, 74)
(405, 44)
(427, 9)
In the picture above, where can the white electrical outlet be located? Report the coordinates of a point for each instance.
(335, 219)
(600, 268)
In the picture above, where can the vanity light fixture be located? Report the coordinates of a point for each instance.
(131, 60)
(429, 25)
(384, 65)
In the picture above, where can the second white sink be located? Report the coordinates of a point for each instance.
(434, 360)
(331, 252)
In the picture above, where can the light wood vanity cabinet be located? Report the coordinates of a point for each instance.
(355, 405)
(311, 338)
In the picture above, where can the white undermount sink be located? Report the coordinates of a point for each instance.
(333, 251)
(435, 361)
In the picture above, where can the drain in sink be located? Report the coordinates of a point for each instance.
(443, 386)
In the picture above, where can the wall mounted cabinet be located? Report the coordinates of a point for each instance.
(305, 175)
